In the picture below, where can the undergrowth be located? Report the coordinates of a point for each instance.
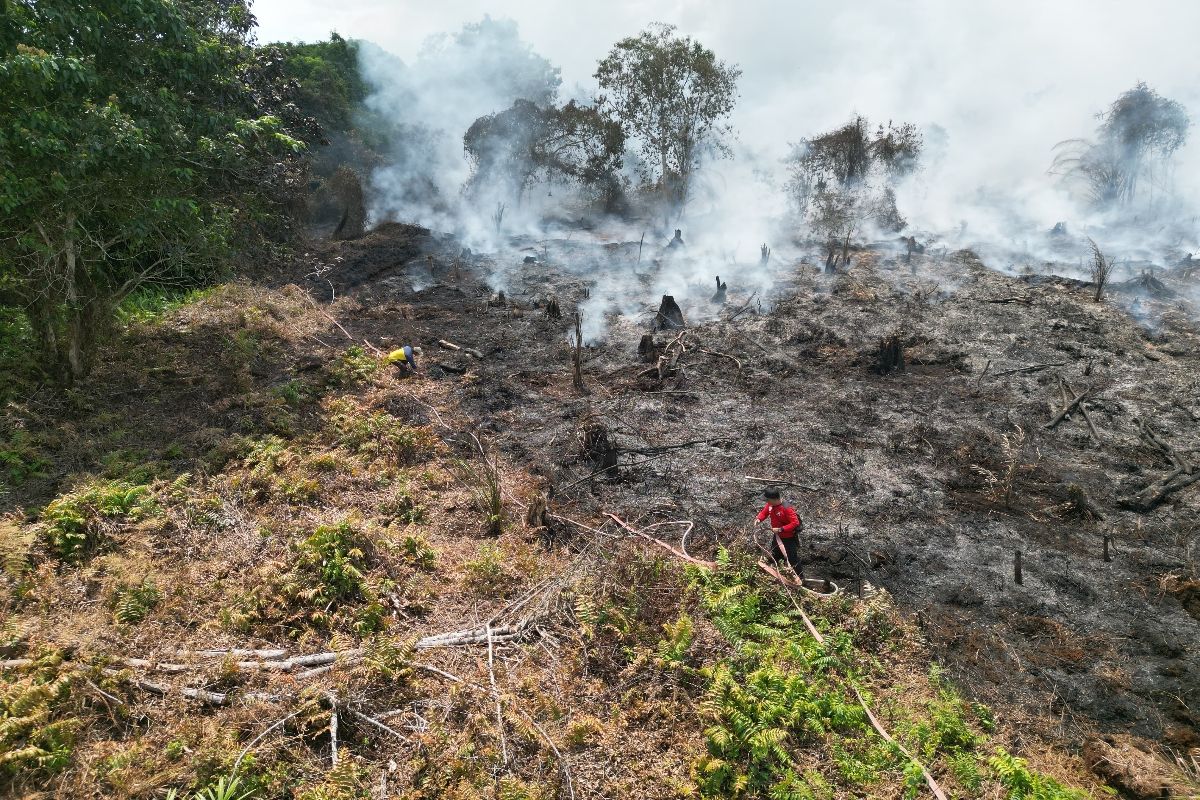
(37, 726)
(77, 524)
(784, 722)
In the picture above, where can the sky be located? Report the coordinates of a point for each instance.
(1003, 81)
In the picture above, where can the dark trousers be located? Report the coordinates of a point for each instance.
(789, 547)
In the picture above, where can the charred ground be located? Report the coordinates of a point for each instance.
(926, 481)
(257, 437)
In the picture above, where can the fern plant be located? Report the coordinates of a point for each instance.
(37, 727)
(673, 649)
(76, 523)
(1023, 784)
(131, 604)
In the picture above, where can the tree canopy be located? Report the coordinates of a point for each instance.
(130, 139)
(674, 96)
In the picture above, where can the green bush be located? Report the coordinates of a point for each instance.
(380, 435)
(149, 303)
(487, 572)
(76, 523)
(335, 556)
(417, 552)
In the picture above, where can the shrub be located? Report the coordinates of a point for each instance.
(380, 435)
(76, 523)
(487, 573)
(20, 458)
(417, 552)
(482, 480)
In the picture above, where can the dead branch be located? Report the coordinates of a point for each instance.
(262, 655)
(778, 482)
(370, 346)
(669, 548)
(448, 676)
(561, 760)
(238, 761)
(1082, 408)
(1033, 368)
(1154, 494)
(201, 695)
(496, 697)
(723, 355)
(742, 307)
(1070, 407)
(380, 725)
(333, 728)
(646, 451)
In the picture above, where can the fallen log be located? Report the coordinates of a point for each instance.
(262, 655)
(1082, 409)
(472, 636)
(1156, 493)
(457, 348)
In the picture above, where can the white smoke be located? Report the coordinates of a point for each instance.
(994, 84)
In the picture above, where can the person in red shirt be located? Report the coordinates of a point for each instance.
(785, 524)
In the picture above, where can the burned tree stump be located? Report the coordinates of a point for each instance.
(598, 446)
(648, 349)
(719, 296)
(831, 259)
(552, 309)
(764, 254)
(536, 514)
(499, 301)
(891, 356)
(669, 316)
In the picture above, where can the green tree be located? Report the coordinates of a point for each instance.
(674, 96)
(129, 140)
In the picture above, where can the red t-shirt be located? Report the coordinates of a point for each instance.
(782, 517)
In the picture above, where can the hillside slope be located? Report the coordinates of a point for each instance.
(247, 474)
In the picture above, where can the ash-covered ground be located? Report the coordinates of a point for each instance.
(926, 481)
